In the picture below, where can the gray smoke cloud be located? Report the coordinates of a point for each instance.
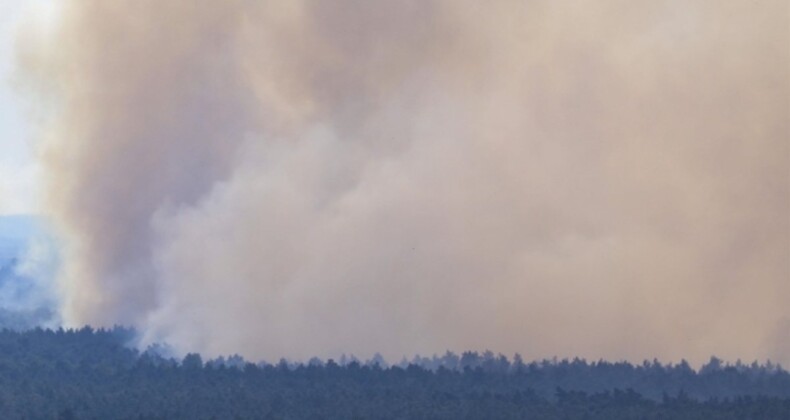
(603, 179)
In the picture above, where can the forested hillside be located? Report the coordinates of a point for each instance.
(87, 374)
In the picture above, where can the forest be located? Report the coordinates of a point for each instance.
(96, 374)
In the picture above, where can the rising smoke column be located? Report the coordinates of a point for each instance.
(301, 178)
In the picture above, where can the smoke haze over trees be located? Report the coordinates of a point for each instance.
(28, 263)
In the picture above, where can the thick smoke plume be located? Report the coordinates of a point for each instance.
(296, 178)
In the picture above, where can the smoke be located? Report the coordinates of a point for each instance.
(602, 179)
(17, 188)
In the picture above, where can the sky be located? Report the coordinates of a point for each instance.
(289, 179)
(19, 171)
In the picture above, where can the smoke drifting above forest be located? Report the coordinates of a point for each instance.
(603, 179)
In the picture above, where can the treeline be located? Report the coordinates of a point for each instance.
(94, 374)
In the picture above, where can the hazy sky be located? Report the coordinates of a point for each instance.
(14, 152)
(603, 179)
(19, 177)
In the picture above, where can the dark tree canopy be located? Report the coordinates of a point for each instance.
(93, 374)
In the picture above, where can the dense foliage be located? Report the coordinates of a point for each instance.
(87, 374)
